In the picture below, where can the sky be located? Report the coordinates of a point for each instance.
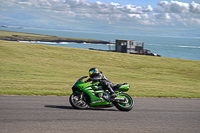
(137, 17)
(153, 3)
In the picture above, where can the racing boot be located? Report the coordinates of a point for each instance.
(112, 93)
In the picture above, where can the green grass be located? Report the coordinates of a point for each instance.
(34, 69)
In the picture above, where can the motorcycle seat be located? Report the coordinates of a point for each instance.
(115, 88)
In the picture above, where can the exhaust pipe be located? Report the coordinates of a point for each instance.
(119, 98)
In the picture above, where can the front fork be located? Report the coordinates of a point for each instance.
(80, 95)
(81, 98)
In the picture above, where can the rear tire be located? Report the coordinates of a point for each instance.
(124, 105)
(78, 101)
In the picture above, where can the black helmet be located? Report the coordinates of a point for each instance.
(93, 72)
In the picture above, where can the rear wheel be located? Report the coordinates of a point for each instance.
(78, 101)
(124, 105)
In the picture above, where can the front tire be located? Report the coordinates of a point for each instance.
(126, 105)
(78, 101)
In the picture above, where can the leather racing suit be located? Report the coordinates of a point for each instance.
(104, 82)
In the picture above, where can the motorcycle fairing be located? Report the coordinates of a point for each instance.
(87, 88)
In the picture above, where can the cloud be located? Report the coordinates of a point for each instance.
(195, 7)
(174, 6)
(179, 13)
(80, 11)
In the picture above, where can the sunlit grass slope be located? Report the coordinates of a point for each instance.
(34, 69)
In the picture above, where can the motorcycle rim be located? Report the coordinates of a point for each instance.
(124, 105)
(127, 103)
(78, 101)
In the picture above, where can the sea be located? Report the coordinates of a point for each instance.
(172, 47)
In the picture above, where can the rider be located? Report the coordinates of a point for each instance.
(96, 76)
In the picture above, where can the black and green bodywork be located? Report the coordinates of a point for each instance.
(92, 90)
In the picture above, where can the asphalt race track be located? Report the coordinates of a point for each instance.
(53, 114)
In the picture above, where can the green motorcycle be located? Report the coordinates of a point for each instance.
(92, 95)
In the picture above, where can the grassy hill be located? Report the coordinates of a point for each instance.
(15, 36)
(34, 69)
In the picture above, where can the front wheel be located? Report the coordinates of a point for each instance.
(124, 105)
(78, 101)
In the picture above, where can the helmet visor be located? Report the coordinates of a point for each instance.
(91, 72)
